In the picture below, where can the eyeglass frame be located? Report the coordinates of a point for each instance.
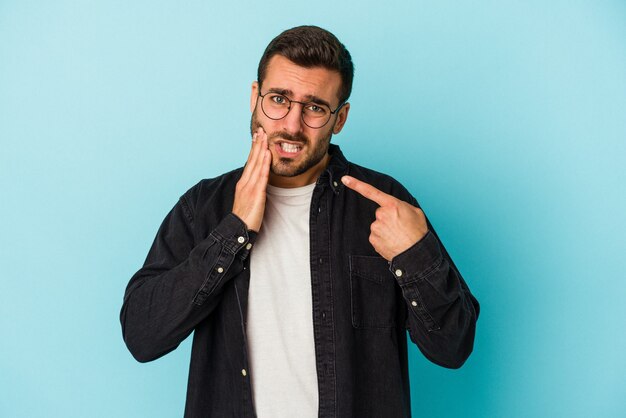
(332, 112)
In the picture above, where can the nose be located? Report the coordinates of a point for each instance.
(292, 123)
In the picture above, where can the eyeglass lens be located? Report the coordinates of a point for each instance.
(276, 106)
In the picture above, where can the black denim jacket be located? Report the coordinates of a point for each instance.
(196, 278)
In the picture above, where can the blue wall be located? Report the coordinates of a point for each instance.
(505, 119)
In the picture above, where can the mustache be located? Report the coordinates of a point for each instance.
(299, 137)
(255, 124)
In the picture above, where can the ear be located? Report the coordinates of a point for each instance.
(254, 96)
(342, 116)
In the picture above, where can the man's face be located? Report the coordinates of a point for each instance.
(299, 153)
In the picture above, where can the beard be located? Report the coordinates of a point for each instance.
(287, 167)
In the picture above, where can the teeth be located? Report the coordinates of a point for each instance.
(289, 147)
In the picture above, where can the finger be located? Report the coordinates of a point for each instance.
(377, 228)
(267, 158)
(252, 157)
(264, 150)
(251, 153)
(265, 170)
(368, 191)
(260, 163)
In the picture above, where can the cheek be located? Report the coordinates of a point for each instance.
(262, 122)
(320, 139)
(268, 125)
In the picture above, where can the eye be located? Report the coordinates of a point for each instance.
(312, 107)
(278, 99)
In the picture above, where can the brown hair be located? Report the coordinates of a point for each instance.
(311, 46)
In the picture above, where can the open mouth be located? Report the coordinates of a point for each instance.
(287, 149)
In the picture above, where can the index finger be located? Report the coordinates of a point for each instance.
(256, 149)
(368, 191)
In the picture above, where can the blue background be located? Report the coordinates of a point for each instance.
(505, 119)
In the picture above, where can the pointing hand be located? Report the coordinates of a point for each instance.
(398, 225)
(250, 191)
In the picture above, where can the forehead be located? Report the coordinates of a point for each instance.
(320, 82)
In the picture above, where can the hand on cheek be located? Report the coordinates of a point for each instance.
(250, 191)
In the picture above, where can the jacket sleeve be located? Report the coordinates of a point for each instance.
(442, 312)
(181, 281)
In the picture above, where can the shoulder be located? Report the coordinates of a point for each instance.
(216, 191)
(381, 181)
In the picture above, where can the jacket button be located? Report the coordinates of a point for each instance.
(335, 183)
(241, 240)
(248, 246)
(398, 273)
(244, 373)
(220, 269)
(414, 303)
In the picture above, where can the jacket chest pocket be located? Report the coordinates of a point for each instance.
(373, 290)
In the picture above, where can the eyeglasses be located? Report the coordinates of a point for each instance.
(314, 115)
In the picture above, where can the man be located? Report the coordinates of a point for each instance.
(300, 272)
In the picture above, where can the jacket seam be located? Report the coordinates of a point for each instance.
(186, 209)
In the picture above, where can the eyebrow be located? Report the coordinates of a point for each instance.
(307, 98)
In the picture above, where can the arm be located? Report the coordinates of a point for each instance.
(442, 312)
(180, 284)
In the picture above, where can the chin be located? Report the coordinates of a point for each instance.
(286, 170)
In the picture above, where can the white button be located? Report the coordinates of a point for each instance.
(335, 183)
(241, 240)
(220, 270)
(414, 303)
(399, 273)
(248, 246)
(243, 372)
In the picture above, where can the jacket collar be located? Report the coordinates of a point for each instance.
(337, 168)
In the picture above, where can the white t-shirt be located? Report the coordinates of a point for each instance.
(280, 313)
